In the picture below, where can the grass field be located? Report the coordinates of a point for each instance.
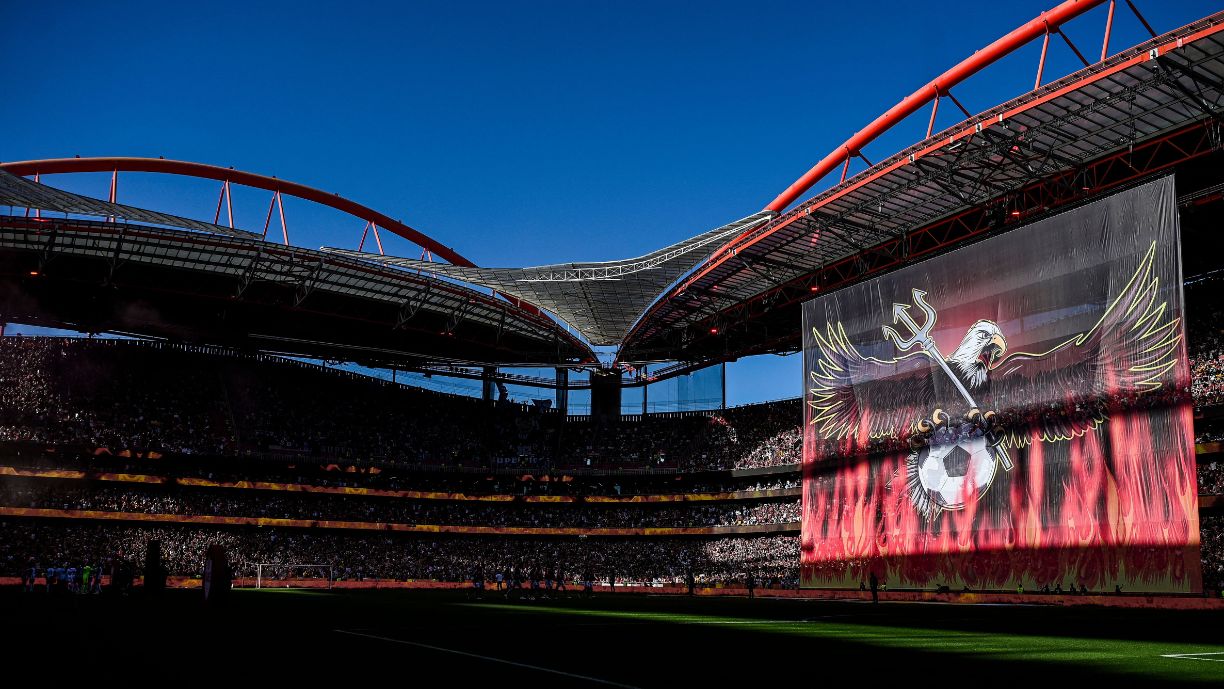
(437, 638)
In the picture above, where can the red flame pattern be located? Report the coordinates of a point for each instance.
(1115, 507)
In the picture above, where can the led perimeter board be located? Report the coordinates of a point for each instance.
(1014, 413)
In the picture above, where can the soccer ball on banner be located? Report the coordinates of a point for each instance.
(938, 474)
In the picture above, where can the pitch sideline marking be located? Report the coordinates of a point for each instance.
(484, 657)
(1195, 656)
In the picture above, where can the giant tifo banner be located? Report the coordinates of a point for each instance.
(1014, 413)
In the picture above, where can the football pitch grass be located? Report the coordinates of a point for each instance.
(436, 638)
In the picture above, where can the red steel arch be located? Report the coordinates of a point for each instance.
(248, 179)
(1047, 23)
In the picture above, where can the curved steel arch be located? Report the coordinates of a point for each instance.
(737, 250)
(1046, 23)
(248, 179)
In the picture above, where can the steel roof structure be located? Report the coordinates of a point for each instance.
(601, 300)
(732, 291)
(148, 273)
(20, 192)
(228, 176)
(236, 291)
(1140, 111)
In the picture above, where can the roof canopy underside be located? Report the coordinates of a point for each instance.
(20, 192)
(601, 300)
(423, 318)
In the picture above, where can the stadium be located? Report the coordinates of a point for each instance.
(221, 446)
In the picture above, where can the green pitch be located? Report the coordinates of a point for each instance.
(432, 638)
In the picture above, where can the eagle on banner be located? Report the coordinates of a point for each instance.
(960, 415)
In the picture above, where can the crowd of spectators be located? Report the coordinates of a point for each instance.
(772, 558)
(1205, 340)
(230, 412)
(65, 391)
(80, 495)
(174, 400)
(745, 437)
(578, 485)
(1211, 534)
(151, 397)
(1211, 478)
(403, 557)
(1207, 370)
(1209, 429)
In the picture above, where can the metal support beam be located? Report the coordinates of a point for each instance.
(1042, 194)
(281, 207)
(222, 174)
(562, 391)
(486, 383)
(1139, 15)
(1108, 30)
(934, 111)
(1045, 47)
(1075, 50)
(409, 307)
(645, 400)
(1048, 21)
(723, 375)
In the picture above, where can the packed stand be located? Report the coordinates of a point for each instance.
(754, 436)
(471, 483)
(1211, 478)
(1211, 533)
(139, 397)
(81, 495)
(1209, 429)
(771, 559)
(1205, 342)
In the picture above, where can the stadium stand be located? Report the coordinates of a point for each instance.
(78, 495)
(113, 394)
(390, 557)
(108, 444)
(92, 429)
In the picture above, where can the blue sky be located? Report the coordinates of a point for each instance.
(518, 133)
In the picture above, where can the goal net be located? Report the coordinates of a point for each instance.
(294, 575)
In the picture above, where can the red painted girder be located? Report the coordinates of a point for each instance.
(1126, 159)
(250, 179)
(966, 129)
(1047, 21)
(527, 313)
(1011, 109)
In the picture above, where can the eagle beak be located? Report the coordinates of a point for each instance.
(998, 349)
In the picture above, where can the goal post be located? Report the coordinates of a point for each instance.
(294, 575)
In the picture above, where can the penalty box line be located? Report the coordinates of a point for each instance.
(1195, 656)
(467, 654)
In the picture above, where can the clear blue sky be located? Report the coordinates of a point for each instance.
(519, 133)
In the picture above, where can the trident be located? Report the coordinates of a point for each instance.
(921, 335)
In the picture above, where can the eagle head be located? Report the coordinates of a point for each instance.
(979, 352)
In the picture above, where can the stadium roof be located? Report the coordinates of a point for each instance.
(20, 192)
(728, 292)
(148, 273)
(1083, 134)
(602, 300)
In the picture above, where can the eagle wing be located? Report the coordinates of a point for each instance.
(848, 389)
(1065, 391)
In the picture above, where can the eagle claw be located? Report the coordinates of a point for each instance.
(928, 426)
